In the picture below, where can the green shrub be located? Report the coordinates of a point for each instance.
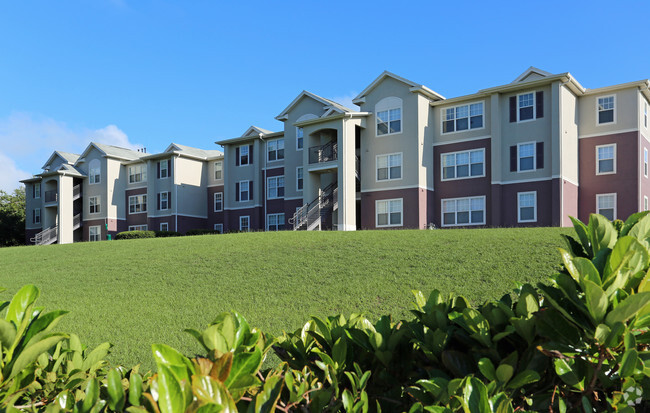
(135, 234)
(201, 231)
(163, 234)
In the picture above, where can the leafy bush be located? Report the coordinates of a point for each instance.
(579, 343)
(163, 234)
(201, 231)
(135, 234)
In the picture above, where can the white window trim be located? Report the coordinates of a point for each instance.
(40, 188)
(97, 203)
(387, 107)
(277, 187)
(401, 217)
(98, 235)
(645, 203)
(442, 167)
(303, 179)
(614, 170)
(141, 212)
(598, 111)
(401, 167)
(142, 227)
(91, 177)
(166, 224)
(248, 156)
(143, 173)
(534, 157)
(645, 114)
(615, 203)
(161, 201)
(534, 92)
(241, 217)
(442, 212)
(268, 152)
(645, 162)
(35, 215)
(215, 170)
(248, 191)
(443, 117)
(519, 220)
(166, 161)
(303, 139)
(214, 198)
(218, 227)
(277, 215)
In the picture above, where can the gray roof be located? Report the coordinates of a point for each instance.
(196, 152)
(69, 157)
(118, 152)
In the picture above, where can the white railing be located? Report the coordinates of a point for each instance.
(76, 191)
(46, 236)
(76, 221)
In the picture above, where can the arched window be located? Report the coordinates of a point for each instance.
(299, 132)
(388, 113)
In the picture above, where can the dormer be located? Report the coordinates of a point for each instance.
(532, 73)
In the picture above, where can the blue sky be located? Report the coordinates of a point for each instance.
(147, 73)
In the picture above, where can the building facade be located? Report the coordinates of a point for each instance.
(529, 153)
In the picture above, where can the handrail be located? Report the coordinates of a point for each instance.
(76, 221)
(45, 236)
(76, 191)
(303, 214)
(324, 153)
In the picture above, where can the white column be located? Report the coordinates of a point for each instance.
(65, 210)
(347, 218)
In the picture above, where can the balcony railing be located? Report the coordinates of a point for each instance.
(326, 153)
(51, 196)
(76, 221)
(76, 191)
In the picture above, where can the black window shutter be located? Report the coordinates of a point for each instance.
(513, 158)
(539, 153)
(169, 200)
(237, 191)
(169, 167)
(250, 188)
(237, 156)
(539, 104)
(158, 169)
(250, 154)
(33, 190)
(158, 202)
(513, 108)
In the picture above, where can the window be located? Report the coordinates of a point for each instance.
(462, 118)
(138, 227)
(94, 172)
(245, 223)
(218, 201)
(300, 140)
(525, 106)
(244, 193)
(218, 170)
(37, 190)
(606, 106)
(137, 204)
(218, 228)
(94, 233)
(645, 114)
(93, 205)
(463, 211)
(605, 159)
(164, 200)
(243, 157)
(389, 167)
(645, 203)
(163, 169)
(299, 178)
(164, 226)
(526, 156)
(645, 162)
(527, 206)
(36, 217)
(464, 164)
(389, 213)
(389, 121)
(137, 173)
(606, 205)
(275, 185)
(275, 150)
(275, 222)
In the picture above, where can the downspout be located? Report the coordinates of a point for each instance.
(261, 136)
(560, 152)
(173, 159)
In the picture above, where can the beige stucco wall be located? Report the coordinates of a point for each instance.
(98, 189)
(451, 137)
(644, 126)
(569, 135)
(626, 113)
(190, 178)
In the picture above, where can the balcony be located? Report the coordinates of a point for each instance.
(76, 192)
(325, 153)
(51, 196)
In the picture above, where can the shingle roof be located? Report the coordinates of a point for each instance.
(196, 152)
(116, 151)
(69, 157)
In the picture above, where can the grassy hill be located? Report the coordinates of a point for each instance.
(138, 292)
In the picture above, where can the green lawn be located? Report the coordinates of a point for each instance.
(138, 292)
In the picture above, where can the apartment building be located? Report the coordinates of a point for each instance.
(528, 153)
(107, 189)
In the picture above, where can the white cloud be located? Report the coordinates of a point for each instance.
(346, 100)
(28, 140)
(10, 175)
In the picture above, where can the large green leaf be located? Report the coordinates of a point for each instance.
(475, 397)
(210, 391)
(180, 365)
(96, 356)
(631, 221)
(641, 230)
(524, 378)
(20, 303)
(628, 308)
(504, 373)
(135, 389)
(7, 334)
(171, 398)
(583, 235)
(587, 270)
(568, 374)
(116, 396)
(638, 261)
(44, 323)
(486, 368)
(596, 301)
(628, 362)
(29, 354)
(91, 396)
(602, 233)
(214, 340)
(267, 399)
(243, 365)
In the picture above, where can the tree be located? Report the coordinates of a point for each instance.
(12, 217)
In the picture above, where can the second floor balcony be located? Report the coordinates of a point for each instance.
(324, 153)
(51, 196)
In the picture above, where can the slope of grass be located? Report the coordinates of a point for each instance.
(138, 292)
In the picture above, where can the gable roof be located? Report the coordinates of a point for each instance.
(414, 87)
(327, 105)
(112, 152)
(255, 130)
(69, 158)
(193, 152)
(531, 71)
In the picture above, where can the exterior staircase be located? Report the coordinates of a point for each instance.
(313, 215)
(47, 236)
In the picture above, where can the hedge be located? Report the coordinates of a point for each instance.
(135, 234)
